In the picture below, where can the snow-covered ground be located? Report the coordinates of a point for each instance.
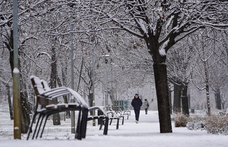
(144, 134)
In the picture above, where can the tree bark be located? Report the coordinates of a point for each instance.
(207, 91)
(80, 74)
(218, 99)
(160, 75)
(177, 98)
(25, 109)
(56, 116)
(170, 100)
(206, 74)
(185, 101)
(64, 70)
(9, 101)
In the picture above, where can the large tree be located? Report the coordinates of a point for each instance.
(161, 24)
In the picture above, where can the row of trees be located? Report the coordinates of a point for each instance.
(136, 33)
(201, 61)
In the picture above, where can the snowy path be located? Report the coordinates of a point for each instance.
(146, 133)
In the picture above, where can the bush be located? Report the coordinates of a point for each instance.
(216, 124)
(181, 120)
(196, 123)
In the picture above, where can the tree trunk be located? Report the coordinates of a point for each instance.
(223, 105)
(185, 106)
(25, 119)
(56, 116)
(9, 101)
(207, 93)
(64, 70)
(80, 74)
(25, 109)
(177, 98)
(218, 99)
(206, 74)
(90, 99)
(170, 100)
(160, 75)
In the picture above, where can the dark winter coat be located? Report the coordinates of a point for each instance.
(136, 103)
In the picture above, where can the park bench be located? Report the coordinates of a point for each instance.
(126, 112)
(104, 118)
(116, 116)
(46, 105)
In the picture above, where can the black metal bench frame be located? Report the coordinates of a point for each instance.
(114, 115)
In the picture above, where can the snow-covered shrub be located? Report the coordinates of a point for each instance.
(196, 123)
(216, 124)
(180, 120)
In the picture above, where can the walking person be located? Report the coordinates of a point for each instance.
(136, 104)
(146, 106)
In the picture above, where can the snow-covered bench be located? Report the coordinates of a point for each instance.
(104, 117)
(126, 112)
(46, 105)
(113, 115)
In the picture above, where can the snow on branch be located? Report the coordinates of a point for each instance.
(27, 38)
(200, 89)
(124, 27)
(216, 25)
(142, 26)
(162, 50)
(21, 13)
(44, 53)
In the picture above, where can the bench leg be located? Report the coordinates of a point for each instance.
(44, 125)
(40, 126)
(106, 126)
(123, 120)
(111, 121)
(84, 122)
(30, 126)
(78, 129)
(38, 120)
(117, 123)
(101, 125)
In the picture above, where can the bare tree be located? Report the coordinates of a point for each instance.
(179, 63)
(210, 58)
(161, 24)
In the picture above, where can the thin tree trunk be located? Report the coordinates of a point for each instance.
(218, 99)
(9, 101)
(207, 89)
(177, 98)
(64, 82)
(206, 73)
(25, 110)
(223, 105)
(80, 74)
(56, 116)
(64, 70)
(160, 75)
(185, 101)
(170, 100)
